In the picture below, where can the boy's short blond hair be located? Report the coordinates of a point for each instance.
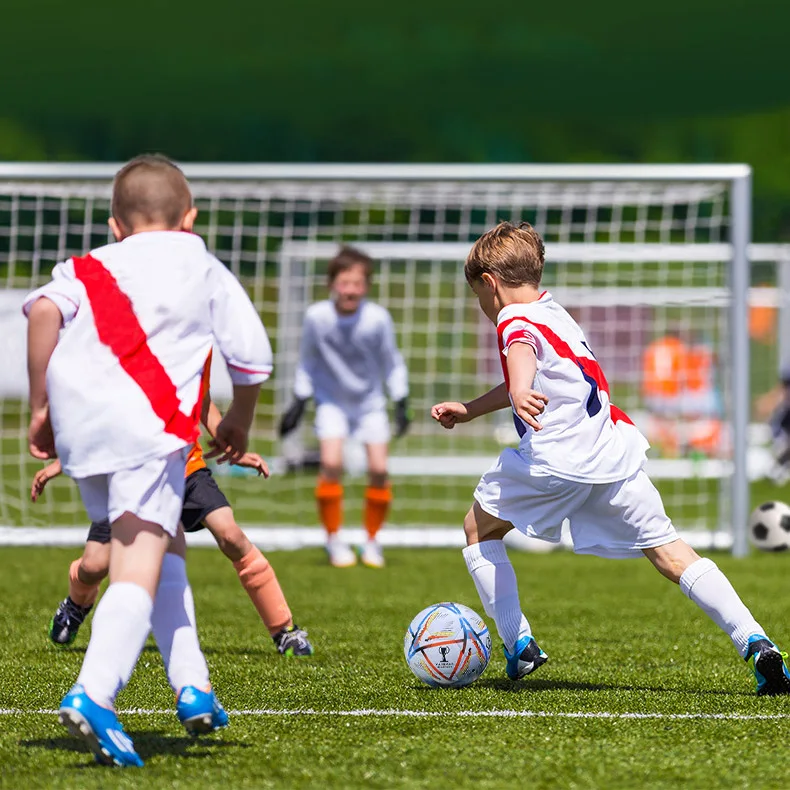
(150, 190)
(513, 254)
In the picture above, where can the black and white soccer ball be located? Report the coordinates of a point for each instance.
(769, 527)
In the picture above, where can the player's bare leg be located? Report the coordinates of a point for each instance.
(260, 582)
(378, 497)
(85, 576)
(492, 572)
(329, 496)
(702, 581)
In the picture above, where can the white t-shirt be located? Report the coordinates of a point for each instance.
(139, 321)
(584, 437)
(347, 359)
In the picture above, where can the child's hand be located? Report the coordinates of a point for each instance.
(41, 439)
(43, 476)
(449, 413)
(253, 461)
(229, 444)
(528, 405)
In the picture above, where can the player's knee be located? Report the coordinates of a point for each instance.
(93, 570)
(470, 528)
(672, 559)
(232, 541)
(331, 473)
(378, 479)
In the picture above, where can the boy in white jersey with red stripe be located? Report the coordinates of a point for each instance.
(117, 345)
(579, 457)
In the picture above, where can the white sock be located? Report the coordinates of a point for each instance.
(120, 627)
(710, 589)
(175, 632)
(496, 585)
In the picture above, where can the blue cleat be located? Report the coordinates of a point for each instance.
(98, 728)
(200, 711)
(526, 658)
(767, 662)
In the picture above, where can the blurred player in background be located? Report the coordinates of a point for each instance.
(204, 506)
(580, 458)
(118, 344)
(348, 355)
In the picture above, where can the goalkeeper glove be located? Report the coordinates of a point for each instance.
(292, 417)
(403, 417)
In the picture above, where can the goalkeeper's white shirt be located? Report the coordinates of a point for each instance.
(348, 359)
(139, 321)
(584, 437)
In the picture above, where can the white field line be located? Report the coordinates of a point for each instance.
(426, 714)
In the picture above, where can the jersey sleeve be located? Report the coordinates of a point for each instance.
(63, 289)
(238, 331)
(308, 353)
(395, 371)
(519, 330)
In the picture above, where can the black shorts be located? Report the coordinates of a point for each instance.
(202, 496)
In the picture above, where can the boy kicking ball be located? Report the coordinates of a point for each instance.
(579, 457)
(205, 505)
(118, 342)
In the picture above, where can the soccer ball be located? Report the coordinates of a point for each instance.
(769, 526)
(447, 645)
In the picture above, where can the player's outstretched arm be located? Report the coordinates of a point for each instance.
(522, 364)
(42, 477)
(44, 323)
(451, 412)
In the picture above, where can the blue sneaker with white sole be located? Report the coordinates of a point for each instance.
(200, 711)
(98, 728)
(767, 662)
(525, 659)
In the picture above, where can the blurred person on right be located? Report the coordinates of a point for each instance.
(348, 356)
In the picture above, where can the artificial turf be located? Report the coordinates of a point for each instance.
(621, 640)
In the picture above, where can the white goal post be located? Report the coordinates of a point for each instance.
(636, 252)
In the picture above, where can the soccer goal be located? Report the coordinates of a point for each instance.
(653, 261)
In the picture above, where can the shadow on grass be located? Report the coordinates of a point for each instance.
(84, 648)
(148, 743)
(543, 684)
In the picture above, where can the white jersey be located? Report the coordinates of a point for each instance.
(584, 437)
(347, 359)
(140, 318)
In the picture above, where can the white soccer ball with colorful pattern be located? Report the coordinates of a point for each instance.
(447, 645)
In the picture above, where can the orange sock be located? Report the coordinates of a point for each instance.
(82, 594)
(329, 496)
(259, 580)
(377, 506)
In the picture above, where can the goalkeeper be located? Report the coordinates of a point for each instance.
(348, 355)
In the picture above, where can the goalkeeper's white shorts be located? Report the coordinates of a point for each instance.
(615, 520)
(335, 422)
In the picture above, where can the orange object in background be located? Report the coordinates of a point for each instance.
(663, 364)
(762, 323)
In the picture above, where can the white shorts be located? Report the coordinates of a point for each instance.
(615, 520)
(335, 422)
(153, 492)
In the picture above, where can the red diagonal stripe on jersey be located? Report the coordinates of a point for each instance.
(119, 329)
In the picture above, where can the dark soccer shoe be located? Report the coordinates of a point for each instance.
(767, 663)
(66, 622)
(293, 642)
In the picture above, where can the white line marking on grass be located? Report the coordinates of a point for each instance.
(428, 714)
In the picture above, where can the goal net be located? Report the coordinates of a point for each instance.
(650, 261)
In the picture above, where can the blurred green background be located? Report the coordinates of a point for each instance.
(678, 81)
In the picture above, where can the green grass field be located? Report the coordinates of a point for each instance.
(621, 641)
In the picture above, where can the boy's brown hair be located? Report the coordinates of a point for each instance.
(513, 254)
(150, 190)
(346, 258)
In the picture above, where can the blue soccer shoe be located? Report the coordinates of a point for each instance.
(767, 662)
(98, 728)
(526, 658)
(200, 711)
